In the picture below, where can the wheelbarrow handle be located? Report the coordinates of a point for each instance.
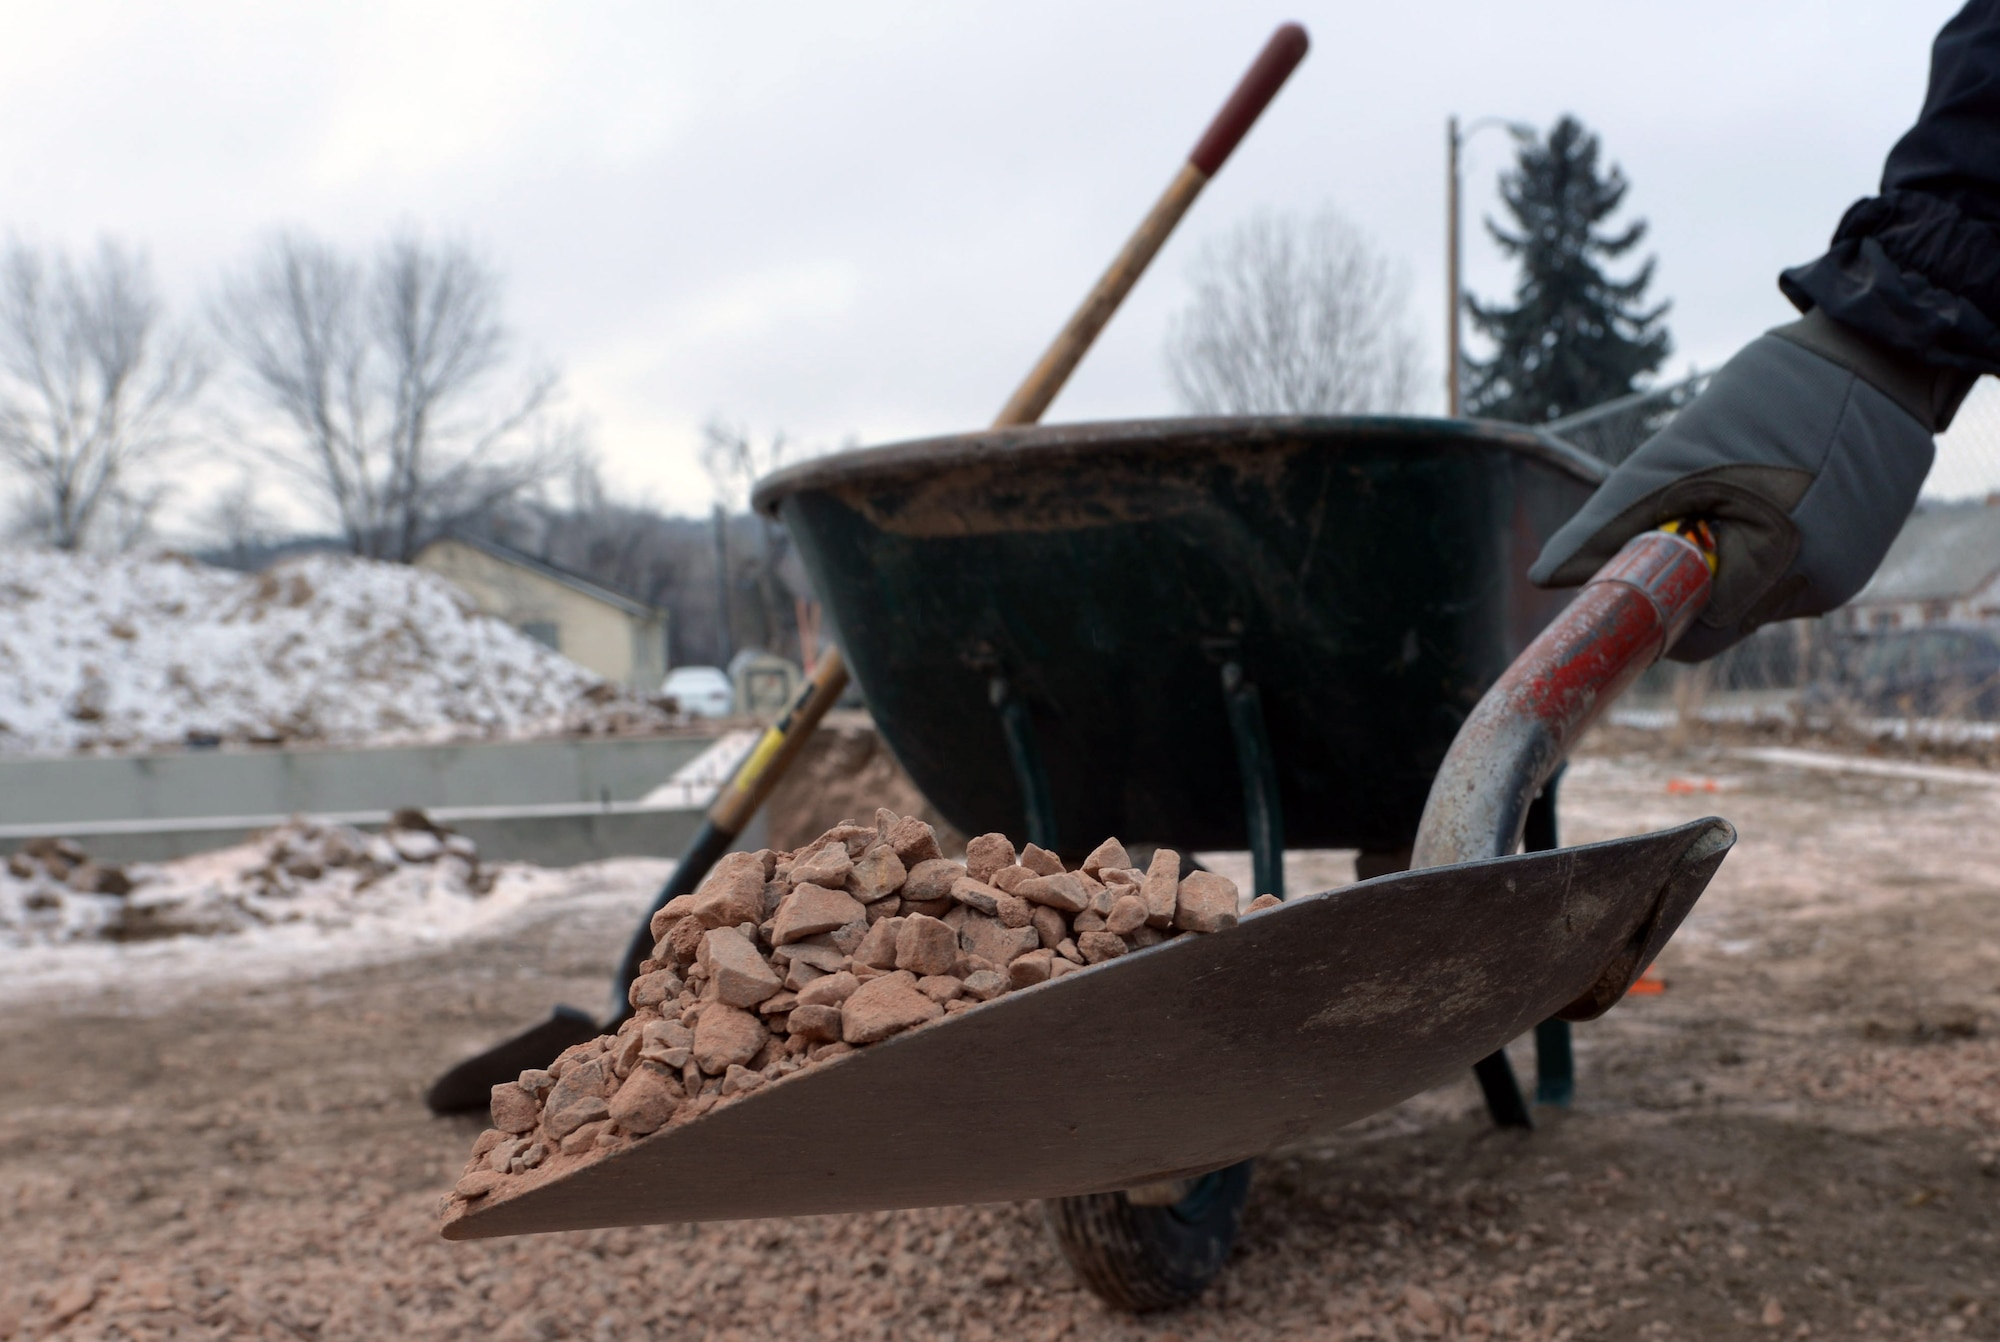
(1622, 621)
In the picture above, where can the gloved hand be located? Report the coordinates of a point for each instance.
(1806, 451)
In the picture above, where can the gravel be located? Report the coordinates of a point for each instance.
(738, 958)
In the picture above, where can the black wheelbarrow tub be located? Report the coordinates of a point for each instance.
(1366, 575)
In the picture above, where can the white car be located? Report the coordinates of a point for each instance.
(701, 691)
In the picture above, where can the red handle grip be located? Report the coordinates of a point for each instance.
(1622, 621)
(1267, 74)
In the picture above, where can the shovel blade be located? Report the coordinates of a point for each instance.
(1179, 1059)
(469, 1085)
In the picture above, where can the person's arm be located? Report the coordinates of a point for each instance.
(1916, 269)
(1808, 447)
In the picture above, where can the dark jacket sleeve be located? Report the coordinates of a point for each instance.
(1917, 268)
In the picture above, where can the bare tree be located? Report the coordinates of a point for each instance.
(93, 386)
(735, 462)
(235, 522)
(1298, 316)
(394, 382)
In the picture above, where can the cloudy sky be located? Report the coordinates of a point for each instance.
(862, 221)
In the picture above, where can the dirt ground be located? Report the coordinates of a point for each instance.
(1799, 1138)
(845, 771)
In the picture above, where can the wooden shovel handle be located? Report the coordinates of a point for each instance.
(760, 771)
(1253, 94)
(1266, 75)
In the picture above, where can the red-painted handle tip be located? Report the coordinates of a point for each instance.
(1267, 74)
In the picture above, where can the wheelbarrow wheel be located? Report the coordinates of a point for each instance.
(1143, 1256)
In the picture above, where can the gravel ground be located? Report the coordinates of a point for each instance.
(1798, 1139)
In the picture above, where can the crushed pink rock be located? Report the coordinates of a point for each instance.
(725, 1034)
(784, 961)
(1206, 903)
(885, 1006)
(812, 909)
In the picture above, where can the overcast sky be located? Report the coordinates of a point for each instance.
(864, 220)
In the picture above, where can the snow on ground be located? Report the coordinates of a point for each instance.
(302, 896)
(127, 651)
(695, 783)
(1765, 708)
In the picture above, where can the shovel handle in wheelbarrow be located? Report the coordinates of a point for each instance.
(1621, 622)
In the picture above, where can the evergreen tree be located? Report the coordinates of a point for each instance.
(1574, 337)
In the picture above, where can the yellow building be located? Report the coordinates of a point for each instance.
(620, 639)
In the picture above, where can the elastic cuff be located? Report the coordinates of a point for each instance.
(1931, 395)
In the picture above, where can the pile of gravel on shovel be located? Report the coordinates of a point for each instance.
(783, 960)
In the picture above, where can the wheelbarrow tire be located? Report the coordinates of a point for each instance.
(1144, 1258)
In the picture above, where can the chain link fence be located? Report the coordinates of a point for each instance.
(1968, 454)
(1613, 431)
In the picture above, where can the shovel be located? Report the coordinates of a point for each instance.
(1208, 1050)
(468, 1086)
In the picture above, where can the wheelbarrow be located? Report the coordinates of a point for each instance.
(1180, 632)
(1231, 633)
(1209, 633)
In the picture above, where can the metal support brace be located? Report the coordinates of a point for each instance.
(1504, 1100)
(1263, 812)
(1026, 757)
(1555, 1062)
(1555, 1065)
(1555, 1073)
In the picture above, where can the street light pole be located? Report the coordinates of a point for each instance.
(1451, 282)
(1454, 141)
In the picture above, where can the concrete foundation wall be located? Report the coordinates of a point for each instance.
(280, 782)
(546, 840)
(551, 802)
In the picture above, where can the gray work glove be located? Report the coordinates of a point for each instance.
(1806, 451)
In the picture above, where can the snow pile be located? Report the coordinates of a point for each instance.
(300, 900)
(125, 652)
(322, 876)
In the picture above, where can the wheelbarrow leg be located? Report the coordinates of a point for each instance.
(1504, 1100)
(1555, 1073)
(1026, 757)
(1555, 1063)
(1263, 812)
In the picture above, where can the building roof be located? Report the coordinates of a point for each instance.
(507, 554)
(1943, 554)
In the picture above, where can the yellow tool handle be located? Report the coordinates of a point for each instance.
(779, 746)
